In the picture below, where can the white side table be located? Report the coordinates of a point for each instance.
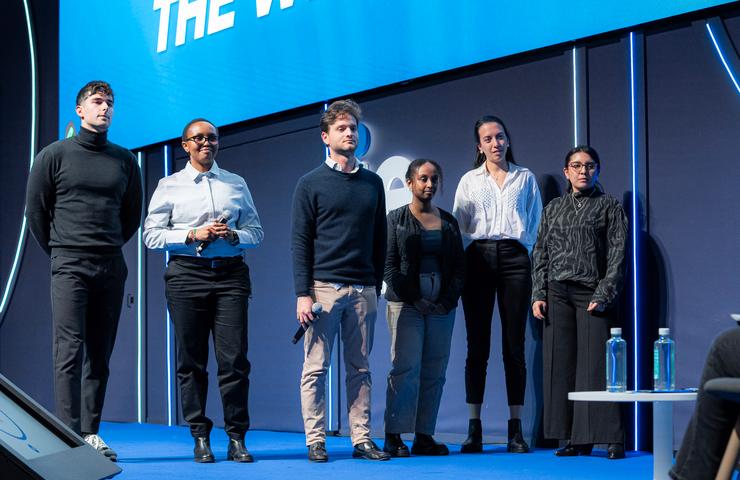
(662, 420)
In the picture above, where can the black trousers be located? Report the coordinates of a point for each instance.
(86, 297)
(206, 301)
(709, 429)
(494, 269)
(574, 354)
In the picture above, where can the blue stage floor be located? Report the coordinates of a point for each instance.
(158, 452)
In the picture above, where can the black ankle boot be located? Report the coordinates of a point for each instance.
(425, 444)
(474, 442)
(516, 440)
(394, 445)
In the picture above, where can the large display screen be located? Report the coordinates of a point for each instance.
(231, 60)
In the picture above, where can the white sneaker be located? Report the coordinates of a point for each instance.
(98, 444)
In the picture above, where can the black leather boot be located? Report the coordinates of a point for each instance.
(238, 452)
(615, 451)
(202, 452)
(474, 442)
(516, 442)
(425, 444)
(394, 445)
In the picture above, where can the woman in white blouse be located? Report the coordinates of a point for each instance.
(498, 207)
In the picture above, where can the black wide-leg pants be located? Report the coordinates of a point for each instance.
(496, 269)
(574, 355)
(86, 296)
(206, 301)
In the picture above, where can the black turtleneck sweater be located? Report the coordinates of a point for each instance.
(84, 196)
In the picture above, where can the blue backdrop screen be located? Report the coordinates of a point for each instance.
(231, 60)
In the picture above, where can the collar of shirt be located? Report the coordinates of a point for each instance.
(335, 166)
(513, 170)
(197, 176)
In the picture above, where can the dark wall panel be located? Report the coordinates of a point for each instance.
(693, 183)
(25, 334)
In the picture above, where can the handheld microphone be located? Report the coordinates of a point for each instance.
(222, 219)
(316, 309)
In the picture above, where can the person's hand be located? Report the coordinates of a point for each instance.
(220, 230)
(424, 306)
(539, 309)
(439, 309)
(595, 307)
(208, 233)
(303, 310)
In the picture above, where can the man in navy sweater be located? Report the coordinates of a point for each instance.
(339, 235)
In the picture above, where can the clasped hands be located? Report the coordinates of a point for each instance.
(539, 308)
(425, 307)
(211, 232)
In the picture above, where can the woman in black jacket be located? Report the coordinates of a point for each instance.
(424, 273)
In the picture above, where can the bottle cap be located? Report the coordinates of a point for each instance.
(664, 332)
(616, 331)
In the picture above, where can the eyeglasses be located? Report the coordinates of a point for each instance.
(201, 139)
(577, 166)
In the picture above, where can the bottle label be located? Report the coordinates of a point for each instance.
(656, 364)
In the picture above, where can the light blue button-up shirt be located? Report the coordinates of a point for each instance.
(190, 199)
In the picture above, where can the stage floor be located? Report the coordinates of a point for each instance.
(158, 452)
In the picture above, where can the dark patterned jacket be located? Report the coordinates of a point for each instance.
(585, 244)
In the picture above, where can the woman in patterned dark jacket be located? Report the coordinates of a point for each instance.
(577, 273)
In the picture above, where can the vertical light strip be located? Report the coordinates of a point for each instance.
(575, 99)
(722, 58)
(167, 320)
(139, 322)
(635, 231)
(12, 277)
(330, 371)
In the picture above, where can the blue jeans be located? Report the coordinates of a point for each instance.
(420, 349)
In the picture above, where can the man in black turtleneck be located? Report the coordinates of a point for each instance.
(83, 203)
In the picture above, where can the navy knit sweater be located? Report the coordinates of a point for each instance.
(339, 229)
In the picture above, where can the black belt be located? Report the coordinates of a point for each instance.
(214, 262)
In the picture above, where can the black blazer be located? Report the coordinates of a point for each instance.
(403, 258)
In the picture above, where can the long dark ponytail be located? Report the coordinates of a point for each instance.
(480, 157)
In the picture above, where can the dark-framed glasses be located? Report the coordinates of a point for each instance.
(577, 166)
(201, 139)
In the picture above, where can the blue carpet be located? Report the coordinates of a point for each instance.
(158, 452)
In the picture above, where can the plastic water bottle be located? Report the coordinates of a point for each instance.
(616, 362)
(664, 361)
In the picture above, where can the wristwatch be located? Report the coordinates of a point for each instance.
(234, 238)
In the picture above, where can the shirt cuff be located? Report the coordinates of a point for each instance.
(176, 238)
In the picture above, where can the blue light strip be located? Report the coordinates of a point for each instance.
(635, 230)
(330, 370)
(13, 276)
(722, 58)
(170, 403)
(575, 100)
(139, 323)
